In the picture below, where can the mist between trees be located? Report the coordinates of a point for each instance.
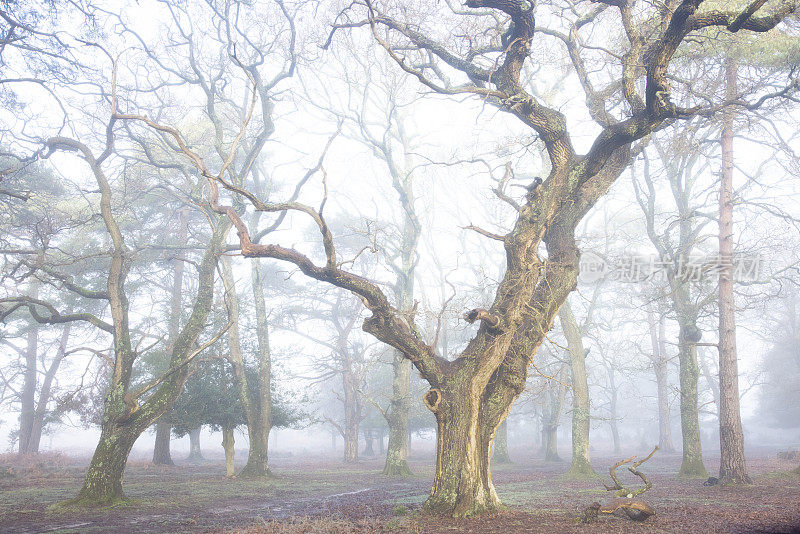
(476, 227)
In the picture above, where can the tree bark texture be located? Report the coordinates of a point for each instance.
(732, 467)
(581, 465)
(228, 442)
(659, 360)
(692, 461)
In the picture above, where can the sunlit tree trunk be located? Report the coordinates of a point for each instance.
(581, 466)
(472, 393)
(732, 467)
(462, 484)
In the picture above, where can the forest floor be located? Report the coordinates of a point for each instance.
(318, 495)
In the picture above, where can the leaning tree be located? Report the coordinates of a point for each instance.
(472, 393)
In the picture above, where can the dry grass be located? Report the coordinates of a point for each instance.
(32, 465)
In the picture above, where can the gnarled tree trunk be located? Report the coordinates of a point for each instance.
(462, 485)
(103, 482)
(471, 394)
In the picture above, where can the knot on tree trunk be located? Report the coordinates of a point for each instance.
(432, 399)
(491, 321)
(691, 334)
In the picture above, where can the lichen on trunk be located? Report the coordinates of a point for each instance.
(397, 418)
(581, 467)
(692, 462)
(462, 484)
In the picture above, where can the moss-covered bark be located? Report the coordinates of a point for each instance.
(128, 412)
(103, 482)
(258, 454)
(692, 462)
(260, 426)
(397, 418)
(462, 484)
(256, 400)
(581, 466)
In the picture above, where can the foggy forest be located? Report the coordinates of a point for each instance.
(344, 266)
